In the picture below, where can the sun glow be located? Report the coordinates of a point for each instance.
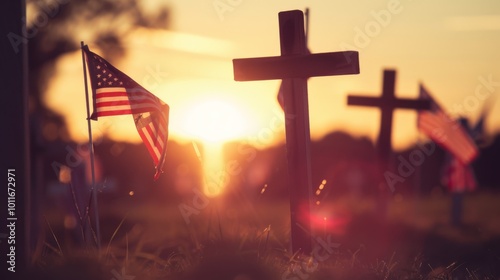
(215, 177)
(215, 122)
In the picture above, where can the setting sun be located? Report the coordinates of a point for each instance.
(215, 121)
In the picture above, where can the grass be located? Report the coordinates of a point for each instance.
(233, 240)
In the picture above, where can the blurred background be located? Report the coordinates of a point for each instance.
(225, 170)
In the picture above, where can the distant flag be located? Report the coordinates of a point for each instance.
(114, 93)
(459, 177)
(445, 131)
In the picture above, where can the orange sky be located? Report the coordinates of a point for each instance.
(450, 46)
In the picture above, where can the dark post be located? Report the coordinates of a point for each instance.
(292, 39)
(15, 198)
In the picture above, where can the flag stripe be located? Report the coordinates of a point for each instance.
(121, 94)
(446, 131)
(457, 144)
(148, 141)
(152, 139)
(155, 142)
(132, 105)
(135, 109)
(432, 123)
(151, 130)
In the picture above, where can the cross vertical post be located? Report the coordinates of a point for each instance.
(384, 143)
(294, 66)
(293, 41)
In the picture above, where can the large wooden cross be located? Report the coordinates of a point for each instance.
(294, 66)
(387, 104)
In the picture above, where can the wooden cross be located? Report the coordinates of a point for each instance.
(387, 103)
(294, 66)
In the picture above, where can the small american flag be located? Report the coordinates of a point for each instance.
(114, 93)
(445, 131)
(458, 177)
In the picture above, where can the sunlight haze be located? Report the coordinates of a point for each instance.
(449, 46)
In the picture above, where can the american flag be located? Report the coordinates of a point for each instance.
(445, 131)
(114, 93)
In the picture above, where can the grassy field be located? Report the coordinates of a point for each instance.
(403, 238)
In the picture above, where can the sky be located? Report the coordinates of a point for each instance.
(449, 46)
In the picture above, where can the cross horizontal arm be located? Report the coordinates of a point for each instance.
(402, 103)
(296, 66)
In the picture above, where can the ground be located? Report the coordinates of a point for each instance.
(403, 238)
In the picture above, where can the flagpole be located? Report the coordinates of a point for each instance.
(91, 151)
